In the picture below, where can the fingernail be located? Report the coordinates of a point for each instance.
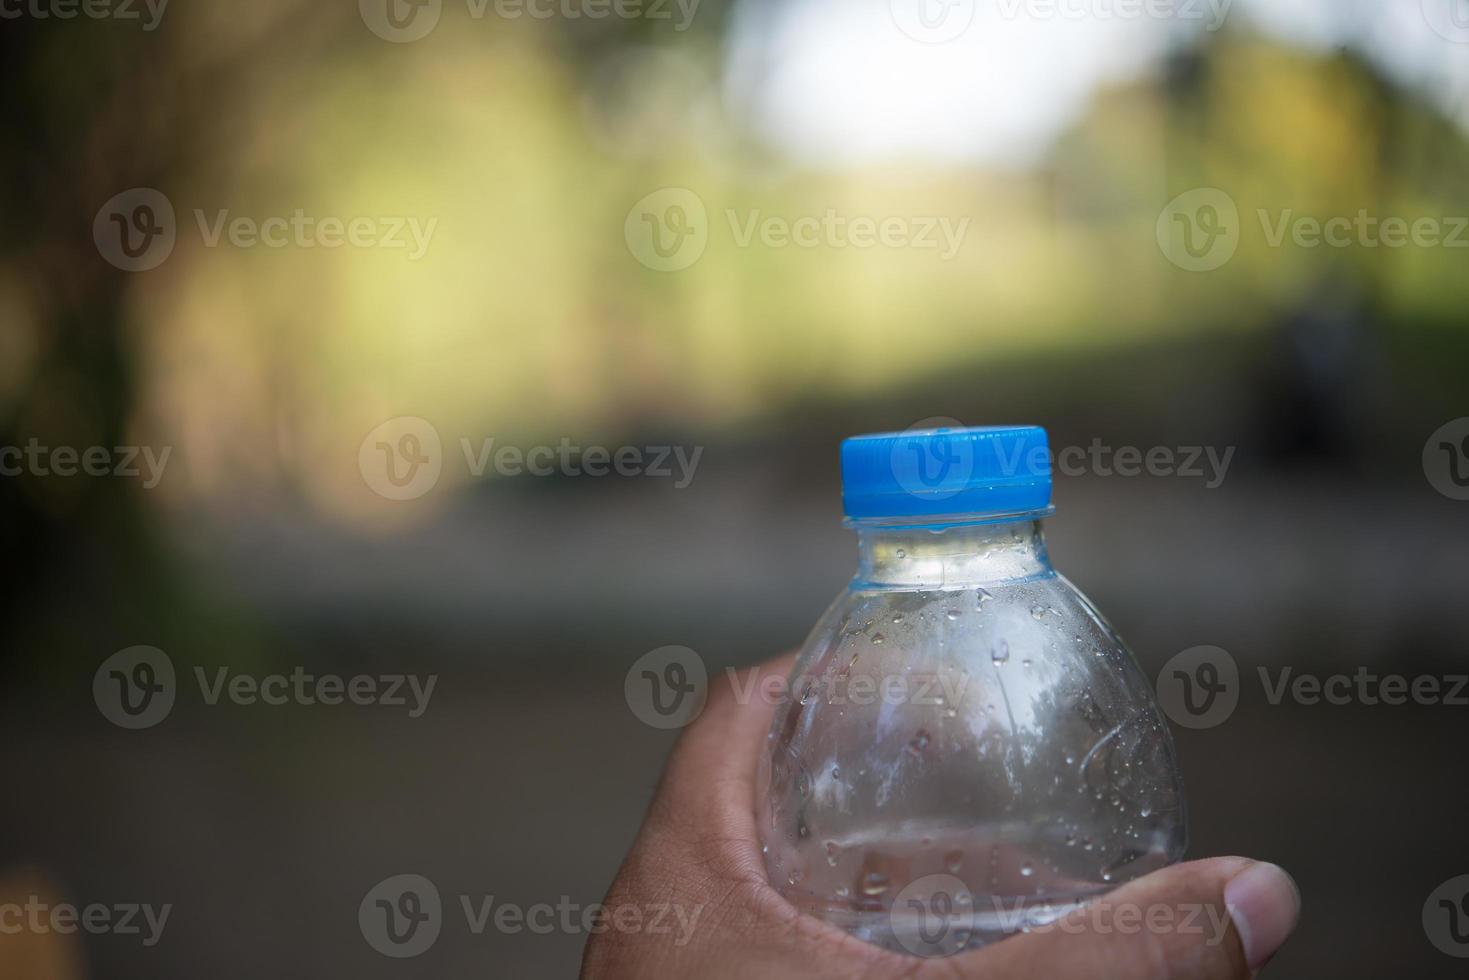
(1264, 904)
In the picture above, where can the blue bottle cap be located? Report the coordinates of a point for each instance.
(954, 474)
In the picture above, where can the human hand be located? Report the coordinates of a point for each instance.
(698, 854)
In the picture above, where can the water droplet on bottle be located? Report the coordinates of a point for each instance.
(1145, 812)
(877, 639)
(1025, 662)
(808, 693)
(951, 712)
(836, 773)
(832, 851)
(874, 883)
(803, 784)
(1001, 652)
(901, 553)
(1070, 839)
(1027, 869)
(953, 614)
(954, 860)
(1106, 876)
(897, 618)
(981, 596)
(794, 877)
(1036, 612)
(919, 742)
(842, 891)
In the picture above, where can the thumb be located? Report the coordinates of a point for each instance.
(1206, 920)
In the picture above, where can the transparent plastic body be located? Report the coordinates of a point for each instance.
(968, 749)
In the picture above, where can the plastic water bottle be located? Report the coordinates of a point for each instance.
(968, 749)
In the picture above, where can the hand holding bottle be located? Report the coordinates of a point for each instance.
(698, 851)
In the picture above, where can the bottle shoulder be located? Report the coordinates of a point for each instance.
(1045, 611)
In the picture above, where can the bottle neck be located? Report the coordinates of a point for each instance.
(957, 556)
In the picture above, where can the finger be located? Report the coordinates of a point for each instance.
(708, 787)
(698, 853)
(1218, 919)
